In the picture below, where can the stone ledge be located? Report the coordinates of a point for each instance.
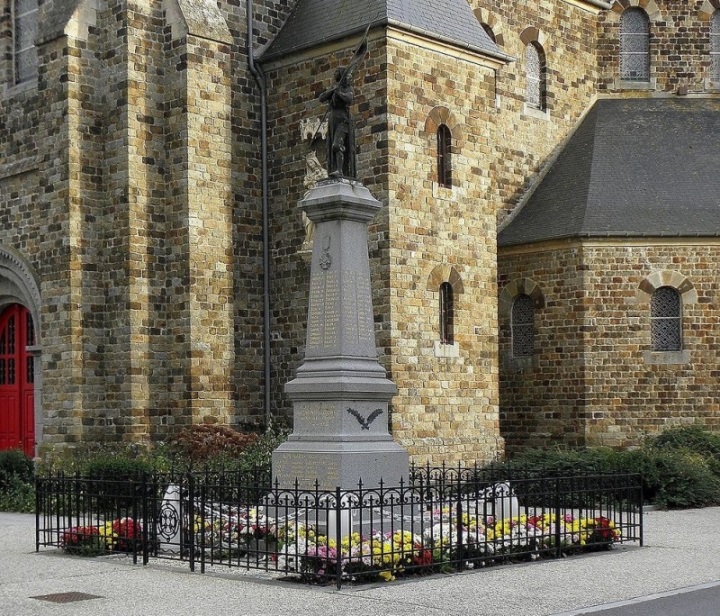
(666, 358)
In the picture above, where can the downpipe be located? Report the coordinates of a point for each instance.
(259, 77)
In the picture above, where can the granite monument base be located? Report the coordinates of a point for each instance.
(340, 464)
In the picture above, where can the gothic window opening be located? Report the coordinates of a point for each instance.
(666, 320)
(715, 47)
(25, 13)
(444, 157)
(522, 326)
(634, 45)
(535, 72)
(447, 314)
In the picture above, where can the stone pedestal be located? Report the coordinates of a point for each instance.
(341, 393)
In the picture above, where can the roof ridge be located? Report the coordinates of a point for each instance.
(315, 22)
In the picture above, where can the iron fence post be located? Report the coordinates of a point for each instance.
(558, 548)
(147, 519)
(59, 506)
(77, 500)
(191, 519)
(338, 538)
(641, 501)
(458, 523)
(37, 513)
(203, 525)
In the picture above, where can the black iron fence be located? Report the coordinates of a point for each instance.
(441, 519)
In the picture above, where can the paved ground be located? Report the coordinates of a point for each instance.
(703, 600)
(682, 551)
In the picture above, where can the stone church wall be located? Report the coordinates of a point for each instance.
(679, 47)
(542, 397)
(593, 378)
(632, 391)
(130, 181)
(131, 170)
(521, 139)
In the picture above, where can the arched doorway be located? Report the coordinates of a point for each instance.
(17, 378)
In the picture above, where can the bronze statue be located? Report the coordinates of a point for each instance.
(341, 133)
(341, 129)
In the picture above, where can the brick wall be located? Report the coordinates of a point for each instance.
(130, 181)
(679, 45)
(593, 378)
(521, 140)
(541, 397)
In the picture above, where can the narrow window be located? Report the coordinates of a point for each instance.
(447, 316)
(666, 320)
(489, 32)
(535, 75)
(522, 326)
(29, 341)
(444, 167)
(715, 47)
(25, 31)
(634, 45)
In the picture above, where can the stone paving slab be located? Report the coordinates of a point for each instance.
(681, 551)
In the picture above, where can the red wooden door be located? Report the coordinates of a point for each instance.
(17, 375)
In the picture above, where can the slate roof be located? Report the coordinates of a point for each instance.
(634, 167)
(315, 22)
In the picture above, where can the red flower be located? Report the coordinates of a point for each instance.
(128, 533)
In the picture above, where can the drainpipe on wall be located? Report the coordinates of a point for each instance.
(259, 76)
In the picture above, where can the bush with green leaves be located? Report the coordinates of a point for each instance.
(14, 462)
(17, 481)
(680, 467)
(692, 438)
(17, 495)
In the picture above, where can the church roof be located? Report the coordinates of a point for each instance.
(633, 168)
(315, 22)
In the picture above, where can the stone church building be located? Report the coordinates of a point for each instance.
(544, 268)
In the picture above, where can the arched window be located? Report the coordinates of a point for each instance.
(25, 14)
(634, 45)
(666, 320)
(447, 314)
(489, 32)
(535, 75)
(522, 326)
(715, 47)
(444, 156)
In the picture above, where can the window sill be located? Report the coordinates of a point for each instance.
(446, 350)
(443, 193)
(667, 358)
(535, 112)
(19, 88)
(624, 84)
(516, 364)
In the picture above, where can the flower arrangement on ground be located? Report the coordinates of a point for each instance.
(121, 535)
(234, 532)
(444, 543)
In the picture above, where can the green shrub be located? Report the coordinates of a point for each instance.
(14, 463)
(679, 479)
(692, 438)
(17, 481)
(18, 495)
(673, 475)
(114, 477)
